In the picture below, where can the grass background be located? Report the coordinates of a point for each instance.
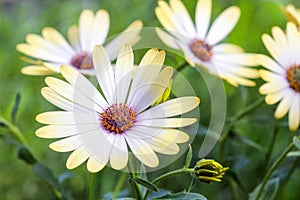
(21, 17)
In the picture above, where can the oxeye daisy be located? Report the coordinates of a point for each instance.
(104, 128)
(292, 14)
(283, 72)
(201, 45)
(53, 50)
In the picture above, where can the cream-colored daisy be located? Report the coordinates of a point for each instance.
(201, 44)
(292, 14)
(53, 50)
(283, 73)
(100, 128)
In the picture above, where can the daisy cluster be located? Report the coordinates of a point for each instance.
(103, 126)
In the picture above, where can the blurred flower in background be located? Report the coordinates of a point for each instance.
(292, 14)
(53, 50)
(283, 73)
(98, 129)
(201, 46)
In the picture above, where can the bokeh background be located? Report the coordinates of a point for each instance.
(246, 160)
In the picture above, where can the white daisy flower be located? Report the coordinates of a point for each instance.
(292, 13)
(201, 44)
(53, 50)
(283, 73)
(99, 128)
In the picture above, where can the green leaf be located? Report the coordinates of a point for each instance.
(189, 157)
(146, 184)
(296, 142)
(25, 155)
(15, 108)
(269, 192)
(43, 172)
(241, 139)
(183, 195)
(294, 154)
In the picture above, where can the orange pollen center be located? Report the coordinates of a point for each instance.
(82, 61)
(117, 118)
(293, 76)
(201, 50)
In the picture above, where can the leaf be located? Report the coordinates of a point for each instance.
(241, 139)
(269, 192)
(183, 195)
(296, 142)
(189, 157)
(15, 108)
(145, 183)
(25, 155)
(63, 176)
(43, 172)
(294, 154)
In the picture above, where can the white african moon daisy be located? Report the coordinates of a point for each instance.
(283, 73)
(201, 44)
(101, 128)
(53, 50)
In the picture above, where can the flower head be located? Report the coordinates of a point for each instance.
(292, 14)
(98, 128)
(283, 72)
(53, 50)
(201, 44)
(208, 170)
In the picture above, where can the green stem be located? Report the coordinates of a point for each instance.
(119, 185)
(233, 188)
(269, 152)
(92, 186)
(171, 173)
(272, 169)
(15, 130)
(232, 122)
(134, 187)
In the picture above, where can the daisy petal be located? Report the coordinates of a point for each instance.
(100, 29)
(86, 25)
(273, 98)
(123, 71)
(73, 35)
(166, 38)
(202, 18)
(76, 158)
(227, 48)
(119, 153)
(142, 151)
(129, 36)
(37, 71)
(167, 123)
(66, 144)
(284, 105)
(105, 74)
(294, 113)
(171, 108)
(223, 25)
(269, 63)
(93, 165)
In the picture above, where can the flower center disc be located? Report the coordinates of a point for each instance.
(117, 118)
(82, 61)
(293, 76)
(201, 50)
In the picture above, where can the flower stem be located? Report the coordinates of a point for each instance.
(15, 130)
(268, 154)
(272, 169)
(119, 185)
(92, 186)
(134, 187)
(171, 173)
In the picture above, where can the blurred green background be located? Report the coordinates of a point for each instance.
(21, 17)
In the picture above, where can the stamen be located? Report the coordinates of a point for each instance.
(201, 50)
(117, 118)
(82, 61)
(293, 77)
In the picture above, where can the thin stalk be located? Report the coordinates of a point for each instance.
(119, 185)
(272, 169)
(249, 108)
(171, 173)
(233, 188)
(92, 186)
(15, 130)
(274, 136)
(134, 187)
